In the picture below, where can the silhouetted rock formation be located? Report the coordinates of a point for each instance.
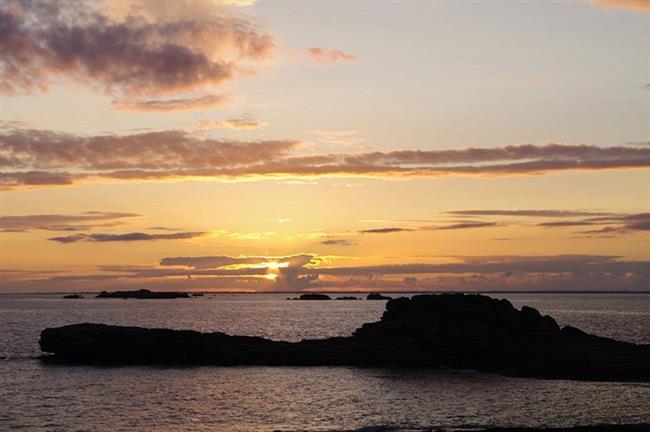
(73, 296)
(314, 296)
(347, 298)
(452, 330)
(143, 294)
(377, 296)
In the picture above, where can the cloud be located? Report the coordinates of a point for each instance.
(470, 273)
(604, 223)
(322, 55)
(31, 157)
(337, 242)
(144, 152)
(501, 264)
(179, 104)
(136, 55)
(387, 230)
(61, 222)
(231, 123)
(284, 271)
(126, 237)
(220, 261)
(461, 225)
(556, 224)
(527, 213)
(635, 5)
(623, 224)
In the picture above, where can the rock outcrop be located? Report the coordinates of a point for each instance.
(447, 330)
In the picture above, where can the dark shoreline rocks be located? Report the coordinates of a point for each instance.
(143, 294)
(447, 330)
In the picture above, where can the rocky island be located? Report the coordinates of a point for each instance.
(377, 296)
(143, 294)
(448, 330)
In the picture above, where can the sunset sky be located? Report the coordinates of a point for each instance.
(324, 145)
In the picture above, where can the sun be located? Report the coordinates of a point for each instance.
(275, 265)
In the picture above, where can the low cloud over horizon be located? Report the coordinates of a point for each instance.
(306, 272)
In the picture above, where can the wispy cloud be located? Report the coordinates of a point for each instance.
(30, 157)
(142, 152)
(126, 237)
(528, 213)
(622, 224)
(460, 225)
(178, 104)
(330, 56)
(337, 242)
(244, 122)
(387, 230)
(221, 261)
(62, 222)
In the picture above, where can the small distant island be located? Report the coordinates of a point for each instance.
(312, 296)
(73, 296)
(143, 294)
(377, 296)
(458, 331)
(348, 298)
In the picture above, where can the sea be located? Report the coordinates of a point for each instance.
(41, 397)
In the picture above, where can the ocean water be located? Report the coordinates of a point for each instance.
(39, 397)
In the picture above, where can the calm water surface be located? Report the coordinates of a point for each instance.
(37, 397)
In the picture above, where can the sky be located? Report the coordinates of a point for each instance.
(242, 145)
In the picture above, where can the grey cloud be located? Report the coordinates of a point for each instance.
(501, 264)
(615, 224)
(35, 157)
(60, 222)
(43, 150)
(337, 242)
(46, 40)
(555, 224)
(387, 230)
(126, 237)
(528, 213)
(461, 225)
(474, 273)
(213, 262)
